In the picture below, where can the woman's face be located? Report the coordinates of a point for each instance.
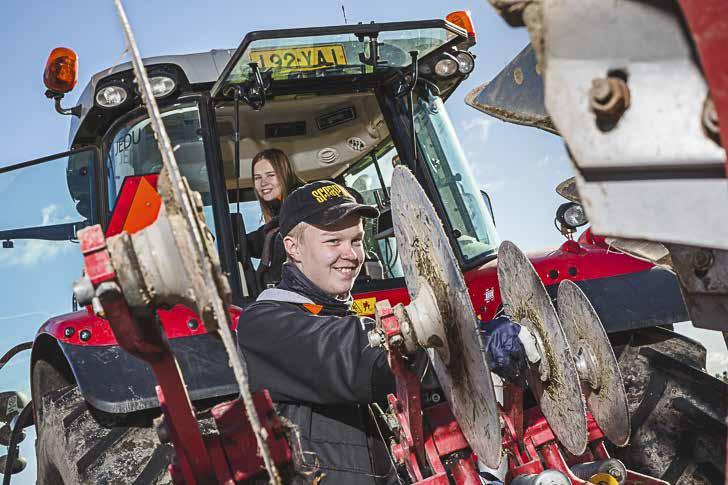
(267, 185)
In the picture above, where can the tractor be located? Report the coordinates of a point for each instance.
(348, 103)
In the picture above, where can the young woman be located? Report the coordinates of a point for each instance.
(273, 180)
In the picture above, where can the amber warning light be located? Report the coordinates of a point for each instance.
(462, 19)
(61, 71)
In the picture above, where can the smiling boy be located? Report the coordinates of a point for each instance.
(302, 342)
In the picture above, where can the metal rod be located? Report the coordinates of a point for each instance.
(381, 178)
(220, 313)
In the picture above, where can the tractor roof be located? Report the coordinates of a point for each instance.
(197, 69)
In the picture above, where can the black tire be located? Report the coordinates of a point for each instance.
(79, 444)
(677, 409)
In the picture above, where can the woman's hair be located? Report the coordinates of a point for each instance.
(286, 176)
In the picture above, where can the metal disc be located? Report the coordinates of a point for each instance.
(425, 252)
(585, 332)
(526, 301)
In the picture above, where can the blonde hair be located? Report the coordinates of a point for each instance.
(284, 172)
(297, 234)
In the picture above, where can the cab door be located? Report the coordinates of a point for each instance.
(43, 205)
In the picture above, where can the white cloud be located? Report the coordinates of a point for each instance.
(34, 251)
(480, 125)
(544, 161)
(717, 362)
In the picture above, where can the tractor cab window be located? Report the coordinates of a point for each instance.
(367, 177)
(133, 151)
(438, 145)
(46, 202)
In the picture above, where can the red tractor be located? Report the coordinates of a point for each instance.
(347, 103)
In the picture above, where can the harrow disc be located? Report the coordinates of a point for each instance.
(427, 257)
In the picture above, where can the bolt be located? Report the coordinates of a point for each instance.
(85, 335)
(518, 75)
(702, 261)
(601, 91)
(553, 274)
(68, 332)
(710, 119)
(609, 98)
(192, 324)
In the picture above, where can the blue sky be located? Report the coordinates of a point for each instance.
(518, 166)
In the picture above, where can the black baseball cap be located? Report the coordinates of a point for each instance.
(321, 203)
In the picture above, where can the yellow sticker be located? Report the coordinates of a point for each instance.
(364, 306)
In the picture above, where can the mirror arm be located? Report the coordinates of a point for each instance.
(57, 97)
(57, 232)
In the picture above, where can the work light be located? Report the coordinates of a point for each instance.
(162, 86)
(111, 96)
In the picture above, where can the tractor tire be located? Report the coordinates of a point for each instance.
(78, 444)
(677, 409)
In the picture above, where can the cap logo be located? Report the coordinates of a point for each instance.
(327, 192)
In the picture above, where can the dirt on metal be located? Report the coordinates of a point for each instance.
(426, 256)
(559, 395)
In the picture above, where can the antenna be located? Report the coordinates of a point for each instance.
(343, 10)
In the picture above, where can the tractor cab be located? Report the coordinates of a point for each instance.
(342, 102)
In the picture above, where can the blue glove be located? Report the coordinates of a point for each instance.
(504, 351)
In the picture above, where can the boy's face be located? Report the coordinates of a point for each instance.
(330, 256)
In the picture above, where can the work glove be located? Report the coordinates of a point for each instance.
(509, 347)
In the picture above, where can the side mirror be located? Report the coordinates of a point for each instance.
(488, 204)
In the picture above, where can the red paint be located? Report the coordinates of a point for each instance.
(174, 321)
(585, 263)
(239, 442)
(416, 445)
(572, 260)
(707, 22)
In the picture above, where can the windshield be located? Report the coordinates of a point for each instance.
(438, 145)
(133, 151)
(335, 54)
(366, 178)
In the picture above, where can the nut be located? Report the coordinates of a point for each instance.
(609, 98)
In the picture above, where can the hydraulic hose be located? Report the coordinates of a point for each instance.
(14, 439)
(12, 352)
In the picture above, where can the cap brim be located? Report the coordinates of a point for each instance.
(335, 214)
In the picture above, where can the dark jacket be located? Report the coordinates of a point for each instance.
(266, 244)
(322, 374)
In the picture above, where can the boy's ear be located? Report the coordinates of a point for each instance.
(293, 248)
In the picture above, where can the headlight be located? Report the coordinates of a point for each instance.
(446, 66)
(111, 96)
(571, 215)
(162, 86)
(466, 62)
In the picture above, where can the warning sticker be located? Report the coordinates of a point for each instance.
(364, 306)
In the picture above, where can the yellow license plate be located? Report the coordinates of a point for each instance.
(300, 58)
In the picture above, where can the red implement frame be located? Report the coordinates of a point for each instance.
(527, 437)
(532, 445)
(422, 449)
(230, 457)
